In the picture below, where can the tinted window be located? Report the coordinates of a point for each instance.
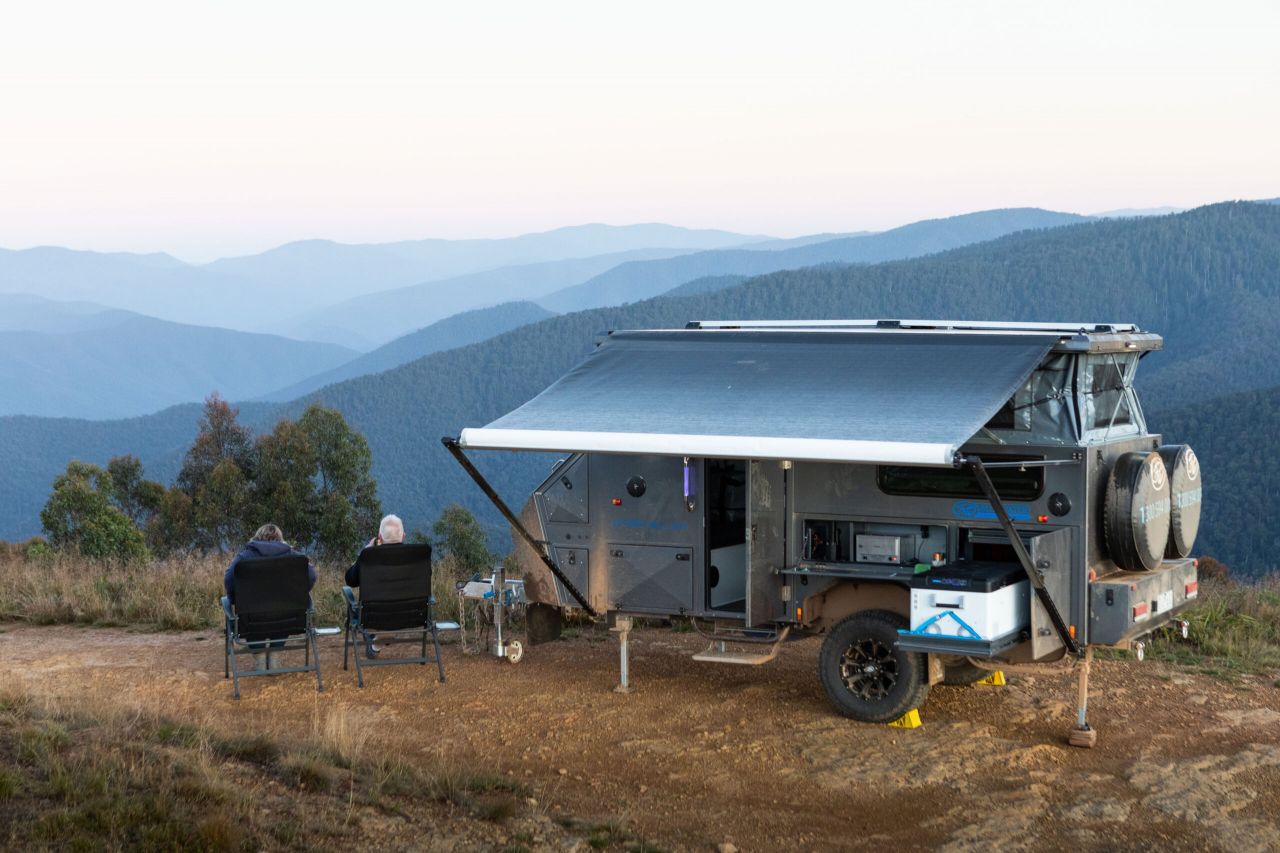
(1011, 483)
(1109, 395)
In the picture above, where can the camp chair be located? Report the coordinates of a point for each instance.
(273, 605)
(395, 602)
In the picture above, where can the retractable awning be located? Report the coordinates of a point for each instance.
(842, 396)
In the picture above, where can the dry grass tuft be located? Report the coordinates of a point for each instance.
(1235, 628)
(343, 733)
(92, 777)
(176, 594)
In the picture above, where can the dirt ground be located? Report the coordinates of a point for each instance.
(700, 755)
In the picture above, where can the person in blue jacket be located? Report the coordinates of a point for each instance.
(267, 542)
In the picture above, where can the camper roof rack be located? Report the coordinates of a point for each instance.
(1073, 337)
(930, 325)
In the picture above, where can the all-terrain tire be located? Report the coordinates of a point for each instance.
(866, 676)
(963, 675)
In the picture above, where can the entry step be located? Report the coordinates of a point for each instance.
(718, 652)
(713, 654)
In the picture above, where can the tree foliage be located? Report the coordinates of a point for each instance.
(80, 516)
(310, 476)
(460, 536)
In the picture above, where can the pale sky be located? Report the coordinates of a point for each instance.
(209, 129)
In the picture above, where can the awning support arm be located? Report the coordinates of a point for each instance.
(451, 444)
(1033, 573)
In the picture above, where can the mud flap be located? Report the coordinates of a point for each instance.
(543, 623)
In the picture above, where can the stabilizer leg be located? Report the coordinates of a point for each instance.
(1082, 735)
(623, 626)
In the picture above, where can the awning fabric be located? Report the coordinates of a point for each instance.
(855, 396)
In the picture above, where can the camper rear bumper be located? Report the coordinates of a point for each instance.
(1127, 605)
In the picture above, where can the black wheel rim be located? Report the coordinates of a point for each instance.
(869, 669)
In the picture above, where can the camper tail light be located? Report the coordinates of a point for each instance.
(1193, 589)
(617, 501)
(1043, 519)
(1141, 611)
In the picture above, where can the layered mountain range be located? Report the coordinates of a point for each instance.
(1204, 279)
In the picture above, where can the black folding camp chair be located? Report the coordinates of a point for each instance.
(272, 613)
(394, 603)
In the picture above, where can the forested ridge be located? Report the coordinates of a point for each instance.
(1205, 279)
(641, 280)
(1237, 438)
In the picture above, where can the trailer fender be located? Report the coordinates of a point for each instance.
(824, 609)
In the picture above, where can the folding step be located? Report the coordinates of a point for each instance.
(716, 652)
(712, 654)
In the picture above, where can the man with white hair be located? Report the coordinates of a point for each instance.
(390, 532)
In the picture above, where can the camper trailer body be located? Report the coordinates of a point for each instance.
(793, 544)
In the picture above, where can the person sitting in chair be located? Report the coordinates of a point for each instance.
(267, 542)
(390, 532)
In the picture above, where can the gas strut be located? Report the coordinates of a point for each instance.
(1033, 574)
(451, 444)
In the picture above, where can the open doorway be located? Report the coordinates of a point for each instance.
(725, 498)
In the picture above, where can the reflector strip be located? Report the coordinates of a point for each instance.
(1193, 589)
(1141, 611)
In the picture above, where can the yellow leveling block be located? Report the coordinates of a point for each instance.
(909, 720)
(995, 679)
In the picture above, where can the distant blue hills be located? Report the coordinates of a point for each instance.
(132, 334)
(1205, 279)
(80, 360)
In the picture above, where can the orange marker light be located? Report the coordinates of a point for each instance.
(799, 614)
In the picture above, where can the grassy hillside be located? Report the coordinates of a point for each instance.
(635, 281)
(135, 365)
(456, 331)
(1195, 277)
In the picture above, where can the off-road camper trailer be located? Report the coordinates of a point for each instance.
(933, 497)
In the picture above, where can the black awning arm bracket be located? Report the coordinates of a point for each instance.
(540, 548)
(1033, 573)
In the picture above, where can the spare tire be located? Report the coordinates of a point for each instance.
(1136, 511)
(1185, 492)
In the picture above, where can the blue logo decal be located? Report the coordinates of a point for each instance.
(650, 525)
(982, 511)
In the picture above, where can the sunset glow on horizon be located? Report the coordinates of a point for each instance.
(230, 128)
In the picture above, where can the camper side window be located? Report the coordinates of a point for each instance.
(1039, 412)
(1108, 404)
(1016, 484)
